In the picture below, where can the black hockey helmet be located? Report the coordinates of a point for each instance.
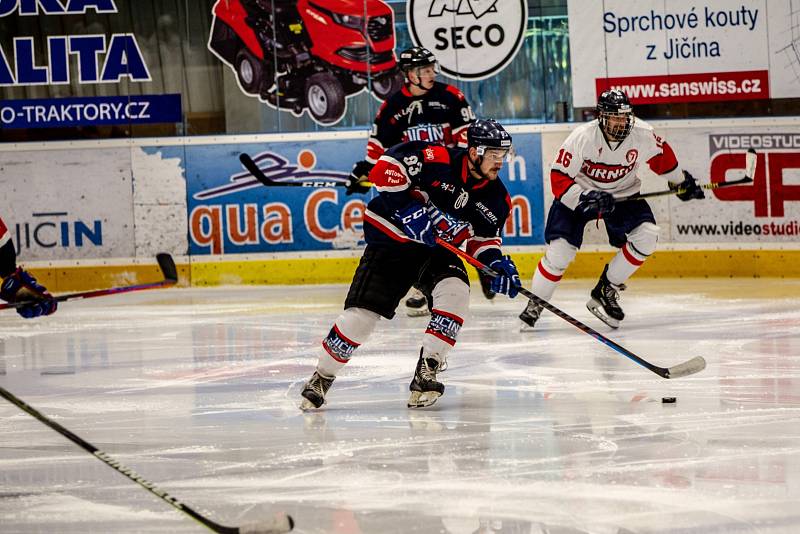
(488, 133)
(615, 103)
(415, 57)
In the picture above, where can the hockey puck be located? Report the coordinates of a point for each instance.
(668, 400)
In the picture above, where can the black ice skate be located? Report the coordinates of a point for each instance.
(530, 315)
(425, 390)
(314, 391)
(486, 286)
(604, 302)
(417, 304)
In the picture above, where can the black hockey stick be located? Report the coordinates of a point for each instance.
(280, 524)
(749, 171)
(253, 168)
(165, 262)
(689, 367)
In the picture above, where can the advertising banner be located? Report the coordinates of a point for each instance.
(54, 207)
(229, 211)
(765, 211)
(768, 210)
(98, 111)
(308, 57)
(472, 39)
(684, 50)
(51, 47)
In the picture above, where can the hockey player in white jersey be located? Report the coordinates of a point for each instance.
(595, 168)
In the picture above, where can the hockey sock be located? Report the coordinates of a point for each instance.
(450, 305)
(349, 331)
(624, 264)
(641, 243)
(551, 268)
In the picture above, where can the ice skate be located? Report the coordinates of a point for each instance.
(417, 304)
(314, 391)
(529, 316)
(604, 301)
(425, 389)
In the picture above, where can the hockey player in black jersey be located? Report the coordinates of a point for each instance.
(18, 284)
(423, 110)
(426, 191)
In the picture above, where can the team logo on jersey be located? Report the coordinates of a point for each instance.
(601, 172)
(462, 200)
(415, 106)
(486, 212)
(434, 133)
(632, 155)
(472, 39)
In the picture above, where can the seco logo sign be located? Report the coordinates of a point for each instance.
(471, 39)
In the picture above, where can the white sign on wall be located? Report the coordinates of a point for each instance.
(92, 202)
(68, 204)
(471, 39)
(684, 50)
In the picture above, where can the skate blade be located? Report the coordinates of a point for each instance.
(417, 312)
(423, 399)
(308, 406)
(597, 310)
(526, 327)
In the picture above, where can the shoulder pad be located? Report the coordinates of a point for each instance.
(455, 91)
(639, 123)
(435, 154)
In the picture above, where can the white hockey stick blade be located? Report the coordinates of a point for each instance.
(750, 163)
(695, 365)
(280, 524)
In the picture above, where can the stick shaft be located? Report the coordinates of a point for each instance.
(168, 270)
(571, 320)
(111, 462)
(715, 185)
(750, 161)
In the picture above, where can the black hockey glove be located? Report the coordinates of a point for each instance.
(690, 187)
(19, 286)
(359, 174)
(595, 203)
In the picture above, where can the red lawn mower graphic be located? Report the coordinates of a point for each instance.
(308, 54)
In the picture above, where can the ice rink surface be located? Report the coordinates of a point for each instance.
(542, 432)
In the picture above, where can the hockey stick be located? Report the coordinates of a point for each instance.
(253, 168)
(749, 171)
(689, 367)
(280, 524)
(165, 262)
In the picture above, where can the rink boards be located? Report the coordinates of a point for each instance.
(94, 213)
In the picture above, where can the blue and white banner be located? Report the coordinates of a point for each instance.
(229, 211)
(98, 111)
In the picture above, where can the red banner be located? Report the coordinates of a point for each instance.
(700, 87)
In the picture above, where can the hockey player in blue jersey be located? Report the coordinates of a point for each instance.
(426, 191)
